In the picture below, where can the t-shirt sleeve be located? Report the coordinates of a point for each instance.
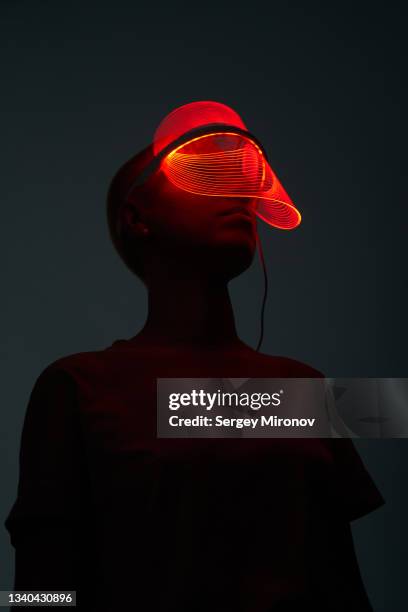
(45, 520)
(352, 486)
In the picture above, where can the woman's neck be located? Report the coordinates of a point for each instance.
(189, 312)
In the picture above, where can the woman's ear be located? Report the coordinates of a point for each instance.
(131, 221)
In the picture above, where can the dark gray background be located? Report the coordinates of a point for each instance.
(84, 85)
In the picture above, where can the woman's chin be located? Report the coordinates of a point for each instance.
(237, 239)
(233, 256)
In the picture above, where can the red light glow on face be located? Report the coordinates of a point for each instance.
(226, 164)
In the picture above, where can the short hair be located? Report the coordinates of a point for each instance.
(127, 248)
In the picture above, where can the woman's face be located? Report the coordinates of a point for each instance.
(220, 230)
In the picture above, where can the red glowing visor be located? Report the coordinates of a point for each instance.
(225, 161)
(228, 164)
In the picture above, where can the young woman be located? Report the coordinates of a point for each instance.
(136, 522)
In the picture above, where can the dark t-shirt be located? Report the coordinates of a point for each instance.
(106, 508)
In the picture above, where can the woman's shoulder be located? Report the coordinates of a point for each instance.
(288, 367)
(81, 363)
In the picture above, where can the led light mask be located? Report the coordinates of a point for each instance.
(204, 148)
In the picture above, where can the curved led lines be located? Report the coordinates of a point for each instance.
(238, 172)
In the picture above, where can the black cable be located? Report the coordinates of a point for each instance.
(261, 256)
